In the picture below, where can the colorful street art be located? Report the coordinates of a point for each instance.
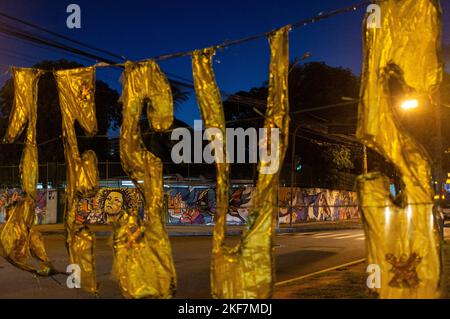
(46, 204)
(195, 205)
(107, 203)
(315, 204)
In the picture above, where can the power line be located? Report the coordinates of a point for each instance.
(21, 34)
(323, 107)
(17, 56)
(298, 24)
(313, 109)
(39, 40)
(28, 36)
(107, 62)
(61, 36)
(46, 48)
(190, 127)
(182, 82)
(6, 29)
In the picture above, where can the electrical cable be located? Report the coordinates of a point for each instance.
(35, 26)
(107, 62)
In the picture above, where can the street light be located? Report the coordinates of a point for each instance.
(410, 104)
(294, 170)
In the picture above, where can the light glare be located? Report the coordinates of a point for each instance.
(410, 104)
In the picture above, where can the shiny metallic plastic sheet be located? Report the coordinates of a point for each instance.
(246, 270)
(143, 261)
(19, 241)
(76, 88)
(403, 240)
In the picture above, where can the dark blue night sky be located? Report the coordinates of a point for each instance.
(142, 29)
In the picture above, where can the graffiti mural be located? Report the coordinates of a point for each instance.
(195, 205)
(191, 205)
(317, 205)
(106, 204)
(46, 204)
(240, 203)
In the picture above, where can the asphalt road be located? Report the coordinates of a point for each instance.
(296, 255)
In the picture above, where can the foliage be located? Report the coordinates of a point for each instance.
(108, 109)
(49, 115)
(311, 85)
(340, 156)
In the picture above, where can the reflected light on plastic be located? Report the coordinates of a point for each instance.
(409, 214)
(410, 104)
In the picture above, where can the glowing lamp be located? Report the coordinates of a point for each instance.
(410, 104)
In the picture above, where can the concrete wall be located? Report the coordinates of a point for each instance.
(46, 204)
(196, 205)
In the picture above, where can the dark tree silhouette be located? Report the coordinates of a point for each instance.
(108, 110)
(49, 116)
(311, 85)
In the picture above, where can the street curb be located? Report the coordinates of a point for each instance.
(209, 233)
(318, 229)
(204, 234)
(174, 234)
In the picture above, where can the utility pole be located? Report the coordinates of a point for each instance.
(365, 160)
(439, 148)
(293, 172)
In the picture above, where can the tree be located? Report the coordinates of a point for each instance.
(445, 102)
(317, 84)
(311, 85)
(49, 116)
(50, 147)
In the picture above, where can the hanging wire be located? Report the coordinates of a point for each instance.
(323, 107)
(182, 81)
(301, 23)
(7, 29)
(61, 36)
(21, 34)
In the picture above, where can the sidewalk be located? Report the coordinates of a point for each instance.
(204, 230)
(344, 283)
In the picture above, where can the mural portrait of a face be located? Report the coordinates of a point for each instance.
(113, 203)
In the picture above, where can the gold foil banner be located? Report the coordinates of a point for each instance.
(403, 240)
(210, 103)
(246, 271)
(76, 88)
(19, 242)
(143, 261)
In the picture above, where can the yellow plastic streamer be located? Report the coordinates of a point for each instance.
(76, 88)
(246, 271)
(403, 240)
(18, 240)
(143, 261)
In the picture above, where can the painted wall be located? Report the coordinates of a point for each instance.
(316, 204)
(195, 205)
(107, 202)
(46, 204)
